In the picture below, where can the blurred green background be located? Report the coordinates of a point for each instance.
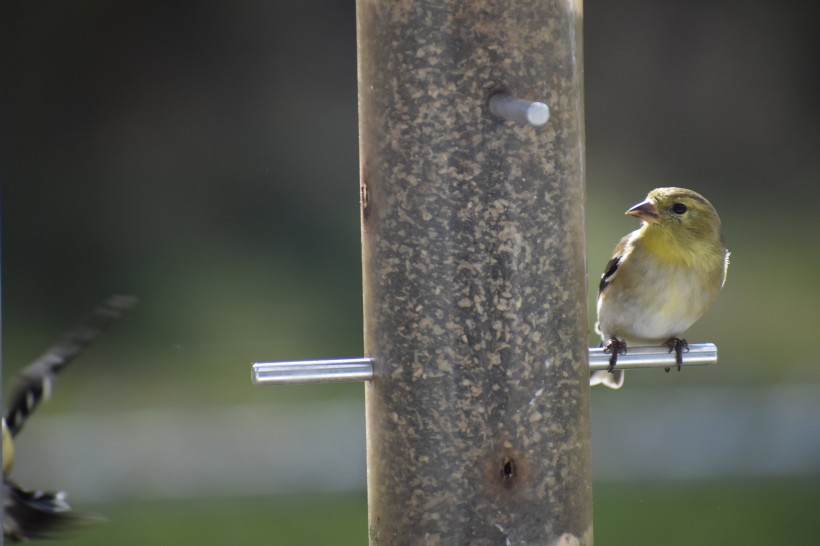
(203, 156)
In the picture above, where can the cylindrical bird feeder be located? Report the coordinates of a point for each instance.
(475, 288)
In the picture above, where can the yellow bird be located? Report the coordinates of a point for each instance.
(662, 277)
(29, 515)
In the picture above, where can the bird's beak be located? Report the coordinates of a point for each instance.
(646, 211)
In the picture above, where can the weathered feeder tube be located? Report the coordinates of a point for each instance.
(474, 274)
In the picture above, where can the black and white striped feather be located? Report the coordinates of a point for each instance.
(34, 382)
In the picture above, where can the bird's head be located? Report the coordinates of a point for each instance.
(680, 212)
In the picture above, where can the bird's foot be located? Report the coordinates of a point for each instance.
(679, 346)
(614, 347)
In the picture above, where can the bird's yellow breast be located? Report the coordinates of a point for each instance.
(8, 450)
(657, 295)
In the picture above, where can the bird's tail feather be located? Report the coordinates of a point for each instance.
(32, 515)
(614, 380)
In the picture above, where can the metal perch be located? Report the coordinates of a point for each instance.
(361, 369)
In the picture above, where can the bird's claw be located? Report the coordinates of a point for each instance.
(614, 347)
(679, 346)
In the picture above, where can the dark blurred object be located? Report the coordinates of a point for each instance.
(29, 515)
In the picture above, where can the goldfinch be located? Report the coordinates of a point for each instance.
(662, 277)
(29, 515)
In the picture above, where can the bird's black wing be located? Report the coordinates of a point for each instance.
(34, 382)
(32, 515)
(612, 264)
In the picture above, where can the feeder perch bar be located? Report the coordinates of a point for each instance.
(361, 369)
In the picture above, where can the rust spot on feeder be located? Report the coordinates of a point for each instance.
(364, 195)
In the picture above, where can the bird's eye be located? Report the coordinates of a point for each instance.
(679, 208)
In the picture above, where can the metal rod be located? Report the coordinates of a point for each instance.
(700, 354)
(520, 110)
(312, 371)
(361, 369)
